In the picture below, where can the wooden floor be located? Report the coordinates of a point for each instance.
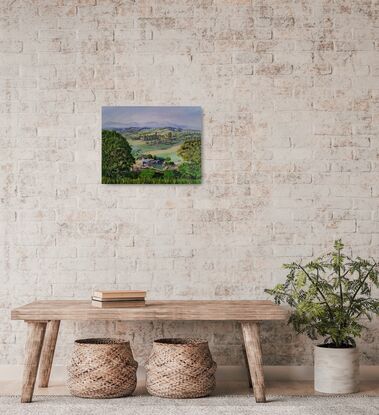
(223, 388)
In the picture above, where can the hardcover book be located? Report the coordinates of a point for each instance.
(119, 294)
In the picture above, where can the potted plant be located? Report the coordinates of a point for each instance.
(330, 297)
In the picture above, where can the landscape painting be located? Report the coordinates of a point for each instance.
(151, 145)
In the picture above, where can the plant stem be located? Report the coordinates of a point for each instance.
(340, 323)
(340, 279)
(319, 291)
(359, 287)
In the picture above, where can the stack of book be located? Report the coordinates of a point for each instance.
(118, 299)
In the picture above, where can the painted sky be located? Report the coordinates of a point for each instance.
(184, 117)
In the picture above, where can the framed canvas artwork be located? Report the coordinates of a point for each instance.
(151, 145)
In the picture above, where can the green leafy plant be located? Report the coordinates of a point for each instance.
(329, 296)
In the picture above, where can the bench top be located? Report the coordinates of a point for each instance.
(207, 310)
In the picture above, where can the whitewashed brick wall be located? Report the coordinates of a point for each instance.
(290, 93)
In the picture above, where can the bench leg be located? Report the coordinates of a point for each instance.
(47, 354)
(250, 331)
(36, 334)
(247, 366)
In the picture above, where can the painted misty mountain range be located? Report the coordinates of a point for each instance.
(151, 145)
(144, 126)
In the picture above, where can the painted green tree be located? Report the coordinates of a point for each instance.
(190, 151)
(117, 157)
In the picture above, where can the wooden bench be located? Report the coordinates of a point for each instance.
(44, 317)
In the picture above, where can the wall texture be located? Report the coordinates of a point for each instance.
(290, 93)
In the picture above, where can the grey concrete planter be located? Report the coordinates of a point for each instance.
(336, 370)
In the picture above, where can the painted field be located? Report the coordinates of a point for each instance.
(160, 150)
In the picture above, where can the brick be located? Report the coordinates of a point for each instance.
(273, 69)
(10, 46)
(293, 251)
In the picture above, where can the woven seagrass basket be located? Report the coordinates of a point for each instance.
(102, 368)
(180, 368)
